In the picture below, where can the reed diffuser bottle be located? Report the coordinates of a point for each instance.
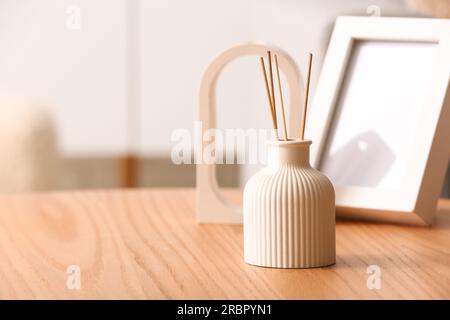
(289, 207)
(289, 211)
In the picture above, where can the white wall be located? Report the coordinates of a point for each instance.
(79, 74)
(179, 38)
(82, 75)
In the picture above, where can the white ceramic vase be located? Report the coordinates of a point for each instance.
(289, 211)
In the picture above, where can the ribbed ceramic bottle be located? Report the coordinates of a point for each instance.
(289, 211)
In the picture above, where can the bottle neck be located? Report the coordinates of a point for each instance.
(288, 152)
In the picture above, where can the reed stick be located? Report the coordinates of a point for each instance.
(305, 104)
(272, 92)
(269, 98)
(281, 99)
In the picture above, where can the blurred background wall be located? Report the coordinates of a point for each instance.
(117, 77)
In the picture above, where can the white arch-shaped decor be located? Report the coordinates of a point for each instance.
(212, 207)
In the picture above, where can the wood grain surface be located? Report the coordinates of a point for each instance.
(146, 245)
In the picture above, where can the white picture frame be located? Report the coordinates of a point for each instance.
(412, 178)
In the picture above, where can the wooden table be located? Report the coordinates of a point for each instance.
(146, 244)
